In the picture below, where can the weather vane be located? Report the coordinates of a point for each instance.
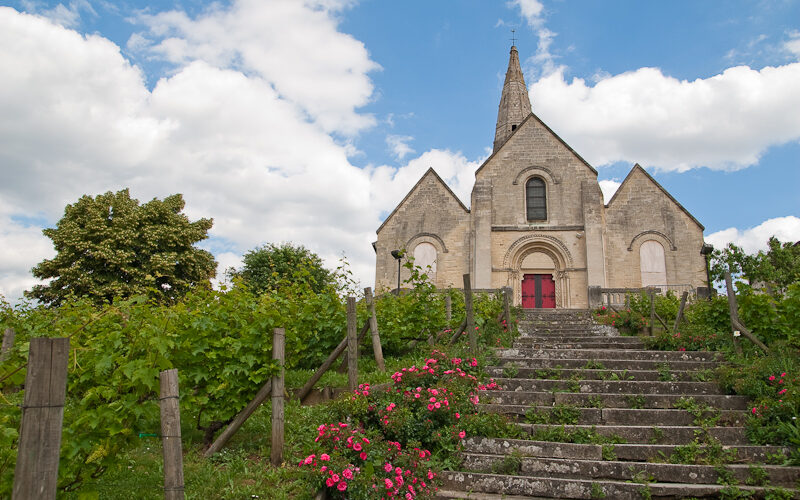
(513, 39)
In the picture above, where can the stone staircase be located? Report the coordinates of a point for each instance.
(605, 418)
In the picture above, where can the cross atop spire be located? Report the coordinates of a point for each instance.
(513, 38)
(515, 105)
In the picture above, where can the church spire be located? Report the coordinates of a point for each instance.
(515, 105)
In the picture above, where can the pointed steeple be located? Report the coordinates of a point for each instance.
(515, 105)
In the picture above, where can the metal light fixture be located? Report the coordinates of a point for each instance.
(398, 255)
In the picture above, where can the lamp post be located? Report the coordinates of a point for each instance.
(705, 251)
(398, 255)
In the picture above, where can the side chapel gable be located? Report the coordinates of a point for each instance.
(429, 179)
(639, 173)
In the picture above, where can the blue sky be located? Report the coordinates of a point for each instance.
(308, 121)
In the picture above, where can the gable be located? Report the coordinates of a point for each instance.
(430, 179)
(639, 175)
(529, 122)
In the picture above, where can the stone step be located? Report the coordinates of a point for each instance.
(642, 434)
(608, 343)
(636, 472)
(504, 486)
(629, 452)
(608, 354)
(585, 374)
(613, 416)
(532, 339)
(607, 364)
(609, 386)
(666, 401)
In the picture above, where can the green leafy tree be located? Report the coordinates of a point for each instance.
(111, 247)
(776, 268)
(271, 266)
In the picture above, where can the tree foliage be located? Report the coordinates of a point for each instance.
(271, 266)
(777, 268)
(111, 247)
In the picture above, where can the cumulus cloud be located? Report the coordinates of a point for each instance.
(398, 145)
(724, 122)
(294, 45)
(753, 239)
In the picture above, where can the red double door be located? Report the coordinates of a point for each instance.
(538, 291)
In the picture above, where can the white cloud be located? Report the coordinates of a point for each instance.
(398, 145)
(792, 45)
(609, 187)
(724, 122)
(533, 13)
(68, 16)
(753, 239)
(294, 45)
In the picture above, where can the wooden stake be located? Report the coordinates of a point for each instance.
(352, 345)
(652, 294)
(240, 419)
(679, 317)
(8, 343)
(278, 355)
(171, 435)
(36, 472)
(473, 337)
(733, 310)
(448, 308)
(373, 326)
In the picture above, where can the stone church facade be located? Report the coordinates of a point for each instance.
(537, 222)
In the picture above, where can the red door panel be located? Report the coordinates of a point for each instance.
(548, 291)
(528, 291)
(538, 291)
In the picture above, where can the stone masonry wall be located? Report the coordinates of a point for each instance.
(641, 211)
(429, 214)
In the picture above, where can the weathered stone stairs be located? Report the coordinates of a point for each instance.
(606, 418)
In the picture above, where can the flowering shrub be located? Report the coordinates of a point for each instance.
(355, 466)
(417, 418)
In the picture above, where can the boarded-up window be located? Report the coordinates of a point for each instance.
(424, 256)
(652, 264)
(536, 199)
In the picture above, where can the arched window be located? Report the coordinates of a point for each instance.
(536, 199)
(652, 264)
(424, 256)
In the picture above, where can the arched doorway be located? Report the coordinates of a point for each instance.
(537, 266)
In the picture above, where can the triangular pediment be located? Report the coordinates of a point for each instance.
(429, 175)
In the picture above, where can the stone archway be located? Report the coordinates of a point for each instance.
(543, 255)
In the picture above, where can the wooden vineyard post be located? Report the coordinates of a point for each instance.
(732, 310)
(680, 312)
(352, 345)
(278, 355)
(473, 337)
(8, 343)
(373, 326)
(652, 294)
(36, 472)
(171, 435)
(507, 306)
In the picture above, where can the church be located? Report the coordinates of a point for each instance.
(537, 222)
